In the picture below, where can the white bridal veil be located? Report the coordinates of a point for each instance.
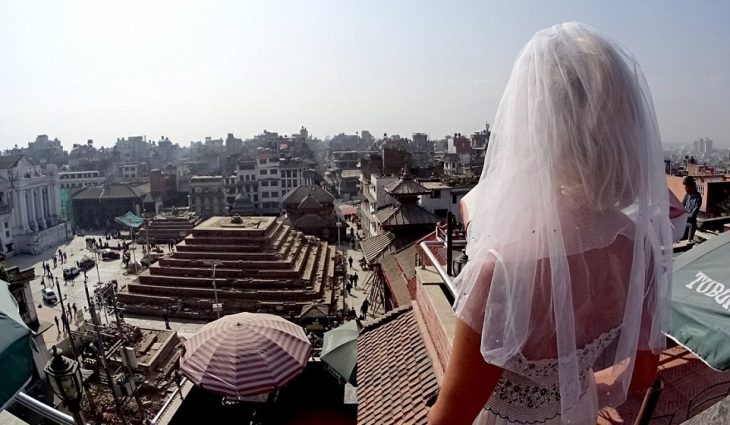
(571, 217)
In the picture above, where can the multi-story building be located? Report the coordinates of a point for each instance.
(266, 180)
(30, 207)
(374, 197)
(129, 171)
(44, 151)
(442, 199)
(132, 149)
(77, 179)
(207, 197)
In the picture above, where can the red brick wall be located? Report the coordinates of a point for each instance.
(436, 333)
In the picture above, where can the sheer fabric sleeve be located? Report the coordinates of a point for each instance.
(472, 310)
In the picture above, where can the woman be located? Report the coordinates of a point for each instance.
(564, 294)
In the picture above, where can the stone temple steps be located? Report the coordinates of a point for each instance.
(268, 267)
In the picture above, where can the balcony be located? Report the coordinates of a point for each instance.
(691, 389)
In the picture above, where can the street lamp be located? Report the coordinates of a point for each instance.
(64, 376)
(217, 307)
(339, 227)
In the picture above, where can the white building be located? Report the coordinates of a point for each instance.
(128, 171)
(267, 179)
(442, 199)
(30, 207)
(207, 197)
(374, 198)
(77, 179)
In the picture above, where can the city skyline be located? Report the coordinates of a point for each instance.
(188, 71)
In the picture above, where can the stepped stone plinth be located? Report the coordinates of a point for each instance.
(263, 265)
(167, 229)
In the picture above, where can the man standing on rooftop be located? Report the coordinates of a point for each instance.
(692, 202)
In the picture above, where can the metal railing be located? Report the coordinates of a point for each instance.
(169, 401)
(44, 410)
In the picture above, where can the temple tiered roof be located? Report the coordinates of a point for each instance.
(264, 266)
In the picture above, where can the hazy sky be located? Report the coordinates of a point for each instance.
(101, 70)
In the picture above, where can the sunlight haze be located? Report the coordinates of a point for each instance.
(187, 70)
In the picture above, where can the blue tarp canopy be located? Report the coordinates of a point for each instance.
(129, 219)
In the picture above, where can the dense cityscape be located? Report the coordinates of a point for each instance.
(151, 240)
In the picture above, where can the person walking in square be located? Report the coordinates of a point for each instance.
(349, 260)
(166, 319)
(364, 309)
(348, 286)
(55, 319)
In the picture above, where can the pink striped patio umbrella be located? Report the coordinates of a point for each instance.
(245, 354)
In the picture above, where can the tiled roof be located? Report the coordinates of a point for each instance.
(310, 221)
(112, 191)
(89, 192)
(407, 260)
(296, 196)
(405, 186)
(407, 214)
(395, 374)
(372, 247)
(395, 279)
(309, 203)
(384, 213)
(9, 161)
(314, 311)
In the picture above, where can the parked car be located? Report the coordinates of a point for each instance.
(86, 263)
(109, 254)
(70, 271)
(49, 296)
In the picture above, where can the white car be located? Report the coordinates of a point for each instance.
(70, 272)
(49, 296)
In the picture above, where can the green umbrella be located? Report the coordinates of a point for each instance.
(700, 303)
(339, 350)
(16, 355)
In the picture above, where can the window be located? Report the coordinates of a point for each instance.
(453, 199)
(275, 183)
(283, 192)
(7, 233)
(274, 171)
(262, 161)
(287, 173)
(435, 194)
(256, 198)
(6, 224)
(265, 184)
(262, 172)
(264, 194)
(294, 173)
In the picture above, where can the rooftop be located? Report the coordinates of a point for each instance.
(394, 391)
